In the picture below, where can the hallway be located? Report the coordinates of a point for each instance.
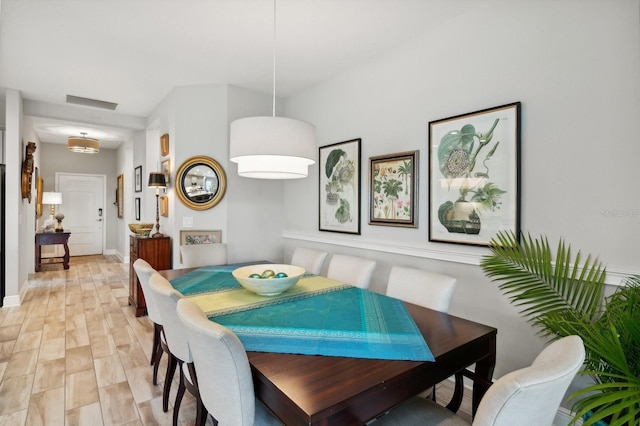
(73, 353)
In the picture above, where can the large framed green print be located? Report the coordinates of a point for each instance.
(474, 175)
(339, 204)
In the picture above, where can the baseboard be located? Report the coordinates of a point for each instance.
(10, 301)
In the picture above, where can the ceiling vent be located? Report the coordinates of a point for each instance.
(95, 103)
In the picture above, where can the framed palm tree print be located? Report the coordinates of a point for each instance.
(393, 189)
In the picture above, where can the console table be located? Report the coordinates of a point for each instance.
(52, 238)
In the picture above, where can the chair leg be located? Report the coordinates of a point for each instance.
(171, 369)
(179, 395)
(156, 344)
(157, 357)
(201, 410)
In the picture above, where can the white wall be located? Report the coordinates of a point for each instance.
(197, 120)
(574, 65)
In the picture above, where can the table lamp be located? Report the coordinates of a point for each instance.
(157, 181)
(53, 199)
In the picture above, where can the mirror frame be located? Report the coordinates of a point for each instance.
(181, 175)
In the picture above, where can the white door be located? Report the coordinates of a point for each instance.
(83, 209)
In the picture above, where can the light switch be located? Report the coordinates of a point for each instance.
(187, 222)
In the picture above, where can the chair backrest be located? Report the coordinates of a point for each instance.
(534, 393)
(309, 259)
(166, 299)
(424, 288)
(197, 255)
(224, 374)
(144, 271)
(352, 270)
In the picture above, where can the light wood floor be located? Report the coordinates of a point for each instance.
(73, 353)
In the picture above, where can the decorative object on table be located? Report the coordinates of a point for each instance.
(164, 167)
(27, 170)
(137, 207)
(164, 206)
(53, 199)
(164, 144)
(393, 189)
(39, 188)
(340, 187)
(200, 183)
(474, 175)
(157, 182)
(565, 297)
(268, 279)
(59, 217)
(120, 196)
(83, 145)
(141, 229)
(272, 147)
(137, 176)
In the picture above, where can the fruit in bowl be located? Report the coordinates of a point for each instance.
(268, 279)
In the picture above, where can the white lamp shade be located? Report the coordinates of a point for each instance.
(272, 147)
(52, 198)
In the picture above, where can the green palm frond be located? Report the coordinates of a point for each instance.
(541, 282)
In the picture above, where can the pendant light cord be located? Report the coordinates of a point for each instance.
(274, 58)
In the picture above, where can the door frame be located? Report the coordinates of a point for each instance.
(104, 199)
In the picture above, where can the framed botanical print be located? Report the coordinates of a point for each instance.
(164, 167)
(164, 206)
(191, 237)
(137, 176)
(474, 175)
(164, 145)
(339, 209)
(393, 189)
(137, 207)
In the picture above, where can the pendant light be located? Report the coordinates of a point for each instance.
(272, 147)
(83, 145)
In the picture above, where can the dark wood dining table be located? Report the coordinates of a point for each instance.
(327, 390)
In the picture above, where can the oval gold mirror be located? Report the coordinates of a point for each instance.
(200, 183)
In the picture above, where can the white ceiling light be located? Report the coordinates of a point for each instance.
(272, 147)
(83, 145)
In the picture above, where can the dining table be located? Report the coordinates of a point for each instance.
(302, 389)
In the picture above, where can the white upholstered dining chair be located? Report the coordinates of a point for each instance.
(352, 270)
(224, 374)
(197, 255)
(144, 271)
(309, 259)
(428, 289)
(180, 354)
(529, 396)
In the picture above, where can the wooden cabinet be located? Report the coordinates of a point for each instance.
(156, 251)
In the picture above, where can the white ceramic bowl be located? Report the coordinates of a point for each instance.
(268, 286)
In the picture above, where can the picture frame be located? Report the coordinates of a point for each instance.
(393, 189)
(137, 208)
(165, 168)
(339, 192)
(39, 191)
(474, 175)
(120, 196)
(164, 145)
(137, 176)
(192, 237)
(164, 206)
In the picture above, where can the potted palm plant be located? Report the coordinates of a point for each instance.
(563, 297)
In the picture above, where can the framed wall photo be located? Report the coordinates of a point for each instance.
(393, 189)
(137, 204)
(120, 196)
(164, 168)
(339, 206)
(137, 176)
(474, 175)
(164, 145)
(191, 237)
(164, 206)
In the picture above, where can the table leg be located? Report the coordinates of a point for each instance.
(65, 259)
(484, 370)
(38, 257)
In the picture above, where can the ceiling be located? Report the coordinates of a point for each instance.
(134, 52)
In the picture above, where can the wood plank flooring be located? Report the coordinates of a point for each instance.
(74, 353)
